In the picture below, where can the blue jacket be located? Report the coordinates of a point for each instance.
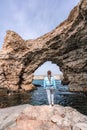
(48, 84)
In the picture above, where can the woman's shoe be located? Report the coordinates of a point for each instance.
(52, 104)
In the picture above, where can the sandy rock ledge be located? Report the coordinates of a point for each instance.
(28, 117)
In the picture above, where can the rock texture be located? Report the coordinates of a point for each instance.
(65, 46)
(27, 117)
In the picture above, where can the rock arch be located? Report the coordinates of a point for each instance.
(65, 46)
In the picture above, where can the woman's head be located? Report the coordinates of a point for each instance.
(49, 73)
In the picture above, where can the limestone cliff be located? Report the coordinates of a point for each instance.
(65, 46)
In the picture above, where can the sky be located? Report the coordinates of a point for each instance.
(42, 70)
(33, 18)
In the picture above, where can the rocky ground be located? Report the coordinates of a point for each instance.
(27, 117)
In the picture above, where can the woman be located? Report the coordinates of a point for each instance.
(50, 86)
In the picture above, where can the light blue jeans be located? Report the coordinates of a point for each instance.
(50, 95)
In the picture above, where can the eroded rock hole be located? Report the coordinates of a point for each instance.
(41, 72)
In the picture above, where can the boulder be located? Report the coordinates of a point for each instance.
(28, 117)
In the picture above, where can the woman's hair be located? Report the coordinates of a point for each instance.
(48, 72)
(49, 75)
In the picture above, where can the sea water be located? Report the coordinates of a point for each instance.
(39, 97)
(63, 97)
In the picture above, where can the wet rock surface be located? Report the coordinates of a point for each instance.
(27, 117)
(65, 46)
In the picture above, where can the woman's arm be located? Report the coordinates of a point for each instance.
(54, 83)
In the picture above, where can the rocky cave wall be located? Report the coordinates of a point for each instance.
(65, 46)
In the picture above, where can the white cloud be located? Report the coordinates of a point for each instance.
(33, 18)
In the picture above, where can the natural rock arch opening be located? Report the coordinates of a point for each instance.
(41, 72)
(47, 65)
(29, 77)
(65, 46)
